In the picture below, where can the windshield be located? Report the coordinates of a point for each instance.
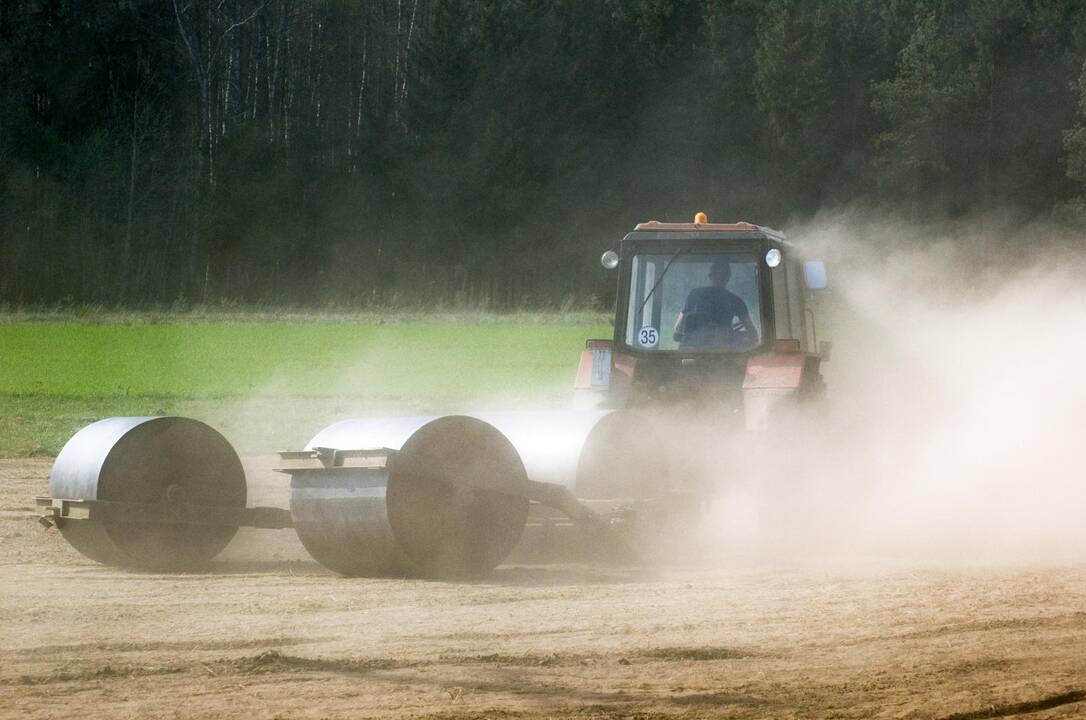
(694, 301)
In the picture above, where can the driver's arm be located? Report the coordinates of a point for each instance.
(680, 326)
(680, 322)
(748, 331)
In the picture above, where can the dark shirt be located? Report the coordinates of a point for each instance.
(715, 316)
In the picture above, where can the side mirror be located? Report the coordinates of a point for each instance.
(815, 273)
(609, 260)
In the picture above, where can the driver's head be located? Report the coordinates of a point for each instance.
(720, 272)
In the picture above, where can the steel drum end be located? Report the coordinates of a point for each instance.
(150, 484)
(622, 457)
(457, 497)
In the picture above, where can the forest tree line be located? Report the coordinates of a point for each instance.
(484, 152)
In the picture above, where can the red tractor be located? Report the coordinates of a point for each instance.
(718, 317)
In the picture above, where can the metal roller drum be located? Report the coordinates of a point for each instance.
(457, 497)
(449, 501)
(140, 477)
(340, 514)
(597, 454)
(449, 496)
(616, 470)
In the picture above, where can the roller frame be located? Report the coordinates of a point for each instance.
(57, 510)
(340, 493)
(313, 462)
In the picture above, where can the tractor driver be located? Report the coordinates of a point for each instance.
(713, 316)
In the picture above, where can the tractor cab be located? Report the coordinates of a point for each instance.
(707, 313)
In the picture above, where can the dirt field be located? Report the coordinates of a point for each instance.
(268, 633)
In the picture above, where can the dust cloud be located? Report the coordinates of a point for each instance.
(955, 419)
(954, 423)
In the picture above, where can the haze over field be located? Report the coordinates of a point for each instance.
(956, 405)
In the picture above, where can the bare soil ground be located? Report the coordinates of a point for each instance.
(268, 633)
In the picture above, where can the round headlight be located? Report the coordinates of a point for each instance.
(609, 260)
(773, 258)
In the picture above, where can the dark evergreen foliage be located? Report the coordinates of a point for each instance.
(481, 152)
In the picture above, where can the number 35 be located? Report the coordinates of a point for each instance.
(648, 337)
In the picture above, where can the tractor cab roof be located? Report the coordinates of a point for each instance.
(701, 229)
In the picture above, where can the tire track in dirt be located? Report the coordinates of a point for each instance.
(177, 645)
(1022, 708)
(267, 662)
(1069, 619)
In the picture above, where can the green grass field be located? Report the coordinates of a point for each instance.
(272, 385)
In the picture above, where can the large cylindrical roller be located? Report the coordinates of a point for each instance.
(340, 514)
(595, 453)
(451, 502)
(613, 462)
(136, 470)
(457, 497)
